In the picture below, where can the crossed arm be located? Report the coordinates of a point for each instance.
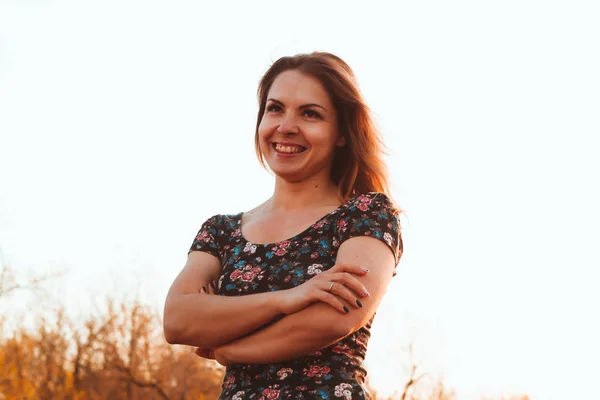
(254, 338)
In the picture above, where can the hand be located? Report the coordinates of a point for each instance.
(221, 356)
(211, 288)
(319, 288)
(205, 353)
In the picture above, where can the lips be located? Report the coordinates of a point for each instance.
(288, 148)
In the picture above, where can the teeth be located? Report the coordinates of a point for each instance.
(287, 149)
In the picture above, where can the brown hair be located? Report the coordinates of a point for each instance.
(358, 167)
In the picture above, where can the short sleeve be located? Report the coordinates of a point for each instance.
(207, 239)
(371, 214)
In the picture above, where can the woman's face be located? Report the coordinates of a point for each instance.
(298, 132)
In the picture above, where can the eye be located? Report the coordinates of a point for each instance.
(273, 107)
(311, 113)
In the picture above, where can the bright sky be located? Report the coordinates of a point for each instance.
(125, 124)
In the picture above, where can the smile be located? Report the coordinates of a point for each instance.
(288, 148)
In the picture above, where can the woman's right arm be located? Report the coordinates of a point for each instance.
(198, 319)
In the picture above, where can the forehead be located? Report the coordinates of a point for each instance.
(295, 87)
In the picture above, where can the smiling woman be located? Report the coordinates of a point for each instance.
(284, 295)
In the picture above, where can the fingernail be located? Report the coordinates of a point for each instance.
(204, 289)
(359, 303)
(346, 309)
(364, 269)
(212, 285)
(367, 293)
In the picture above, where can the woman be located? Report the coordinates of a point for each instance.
(284, 295)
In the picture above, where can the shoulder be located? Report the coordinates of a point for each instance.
(371, 214)
(370, 202)
(219, 223)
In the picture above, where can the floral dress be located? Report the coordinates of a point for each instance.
(337, 371)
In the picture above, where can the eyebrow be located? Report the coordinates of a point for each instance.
(302, 106)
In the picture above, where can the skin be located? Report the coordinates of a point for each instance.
(308, 317)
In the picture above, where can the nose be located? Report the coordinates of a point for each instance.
(288, 125)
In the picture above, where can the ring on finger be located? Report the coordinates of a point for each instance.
(331, 287)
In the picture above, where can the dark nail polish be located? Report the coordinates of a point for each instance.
(359, 303)
(346, 309)
(212, 285)
(204, 288)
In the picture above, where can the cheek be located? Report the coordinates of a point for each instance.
(323, 140)
(267, 126)
(263, 131)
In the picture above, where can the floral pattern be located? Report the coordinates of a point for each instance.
(336, 372)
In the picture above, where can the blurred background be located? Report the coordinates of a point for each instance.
(125, 124)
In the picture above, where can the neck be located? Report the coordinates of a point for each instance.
(298, 195)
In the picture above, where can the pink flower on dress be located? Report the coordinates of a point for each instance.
(342, 225)
(364, 202)
(203, 236)
(248, 276)
(250, 272)
(284, 373)
(316, 371)
(314, 255)
(281, 248)
(229, 382)
(270, 394)
(342, 349)
(237, 232)
(235, 275)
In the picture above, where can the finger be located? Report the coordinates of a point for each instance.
(204, 353)
(351, 268)
(333, 301)
(212, 288)
(341, 291)
(351, 283)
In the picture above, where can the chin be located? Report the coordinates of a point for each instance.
(289, 176)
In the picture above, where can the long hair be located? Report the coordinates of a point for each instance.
(358, 167)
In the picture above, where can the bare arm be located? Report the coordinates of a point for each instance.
(318, 325)
(198, 319)
(208, 321)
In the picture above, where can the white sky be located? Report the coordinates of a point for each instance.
(125, 124)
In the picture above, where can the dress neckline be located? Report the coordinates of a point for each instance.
(330, 213)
